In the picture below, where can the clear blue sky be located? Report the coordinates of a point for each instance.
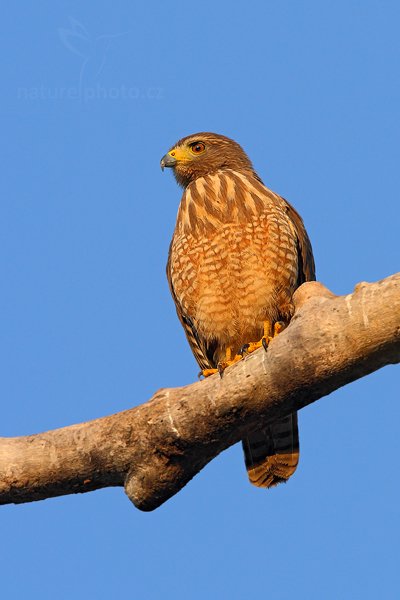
(92, 95)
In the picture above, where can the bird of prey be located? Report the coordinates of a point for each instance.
(238, 253)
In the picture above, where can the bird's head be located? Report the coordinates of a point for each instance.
(200, 154)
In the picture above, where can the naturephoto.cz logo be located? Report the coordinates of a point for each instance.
(93, 51)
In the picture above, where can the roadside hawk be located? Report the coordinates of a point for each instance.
(238, 253)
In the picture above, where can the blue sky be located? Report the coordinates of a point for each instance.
(91, 98)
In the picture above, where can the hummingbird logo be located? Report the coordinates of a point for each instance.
(91, 49)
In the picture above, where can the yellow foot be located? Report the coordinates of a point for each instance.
(208, 372)
(246, 349)
(227, 362)
(266, 338)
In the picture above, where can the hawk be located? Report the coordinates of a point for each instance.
(238, 253)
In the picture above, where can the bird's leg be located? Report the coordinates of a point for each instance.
(269, 334)
(227, 362)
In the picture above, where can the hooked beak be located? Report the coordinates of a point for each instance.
(167, 161)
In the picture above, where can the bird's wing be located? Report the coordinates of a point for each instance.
(272, 452)
(202, 349)
(306, 265)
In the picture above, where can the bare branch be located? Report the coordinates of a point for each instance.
(156, 448)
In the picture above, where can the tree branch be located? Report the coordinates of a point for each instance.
(156, 448)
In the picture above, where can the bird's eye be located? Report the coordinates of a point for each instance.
(198, 147)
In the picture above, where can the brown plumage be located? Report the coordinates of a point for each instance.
(237, 255)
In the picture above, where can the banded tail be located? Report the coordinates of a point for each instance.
(272, 453)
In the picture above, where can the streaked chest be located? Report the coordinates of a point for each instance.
(233, 246)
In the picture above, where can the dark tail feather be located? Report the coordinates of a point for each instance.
(272, 453)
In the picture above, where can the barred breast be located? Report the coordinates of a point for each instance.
(233, 258)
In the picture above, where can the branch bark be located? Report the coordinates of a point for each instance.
(157, 447)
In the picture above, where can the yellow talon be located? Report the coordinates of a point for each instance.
(208, 372)
(267, 337)
(247, 348)
(227, 362)
(267, 330)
